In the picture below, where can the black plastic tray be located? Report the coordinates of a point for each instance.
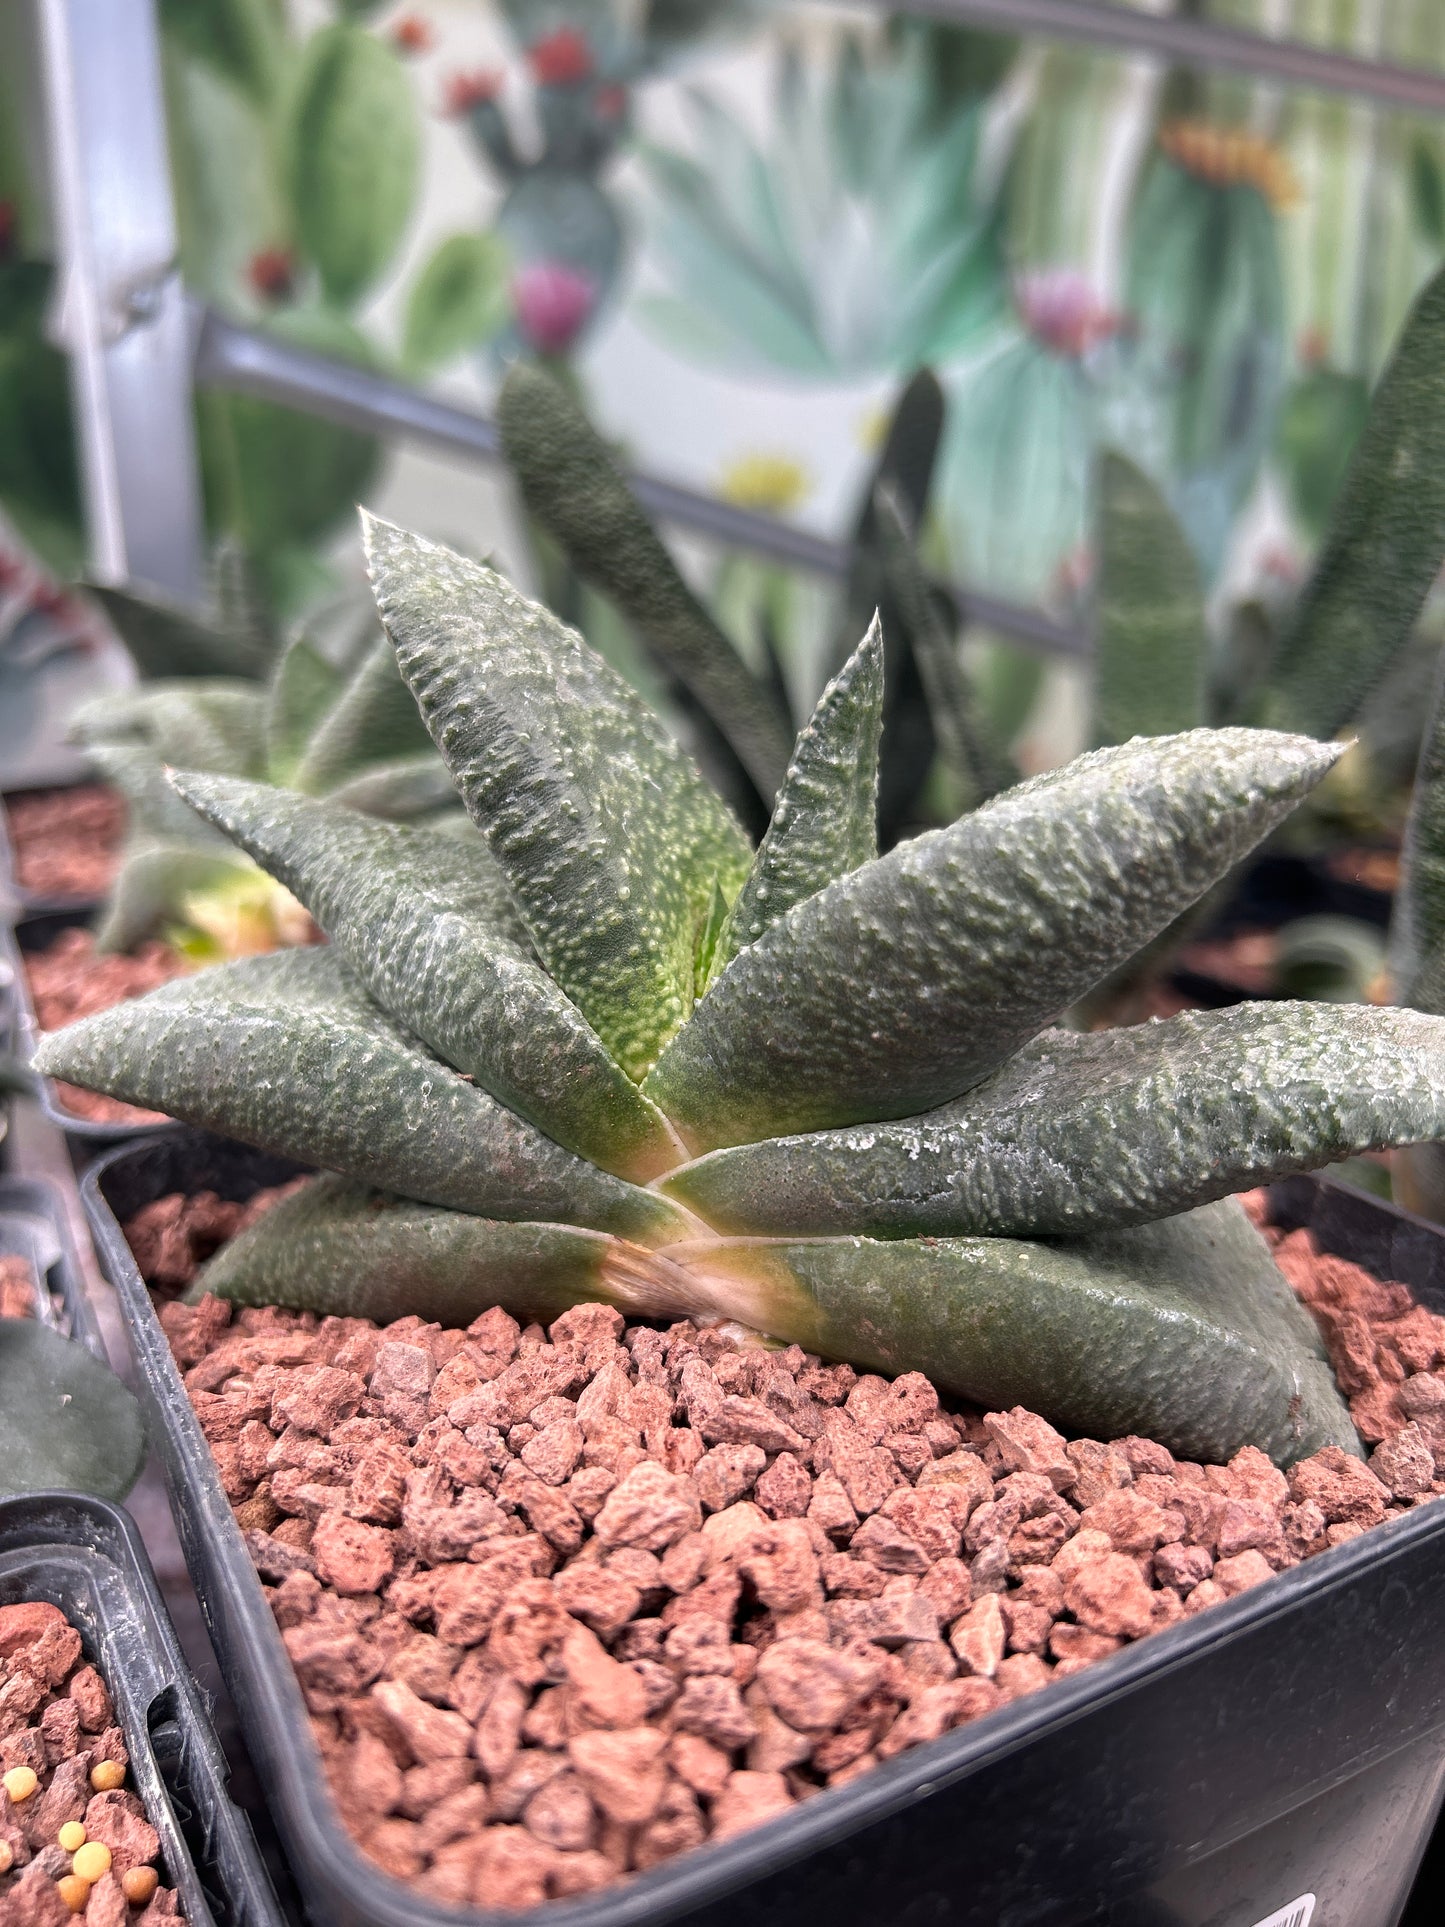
(86, 1558)
(34, 933)
(34, 1225)
(1288, 1744)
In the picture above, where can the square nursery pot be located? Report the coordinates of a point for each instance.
(28, 902)
(30, 934)
(1278, 1758)
(34, 1226)
(85, 1557)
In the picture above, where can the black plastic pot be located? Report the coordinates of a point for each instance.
(31, 934)
(86, 1558)
(35, 902)
(1279, 1754)
(34, 1226)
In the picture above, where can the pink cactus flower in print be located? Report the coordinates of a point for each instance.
(1062, 312)
(552, 301)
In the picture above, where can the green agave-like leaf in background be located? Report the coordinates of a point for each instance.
(1192, 1109)
(1151, 644)
(218, 722)
(1385, 541)
(373, 720)
(287, 1050)
(425, 925)
(167, 641)
(354, 148)
(1319, 424)
(825, 822)
(302, 690)
(70, 1425)
(571, 483)
(609, 839)
(1417, 925)
(901, 985)
(39, 475)
(458, 302)
(243, 40)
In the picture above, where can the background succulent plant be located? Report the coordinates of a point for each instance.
(611, 1051)
(70, 1424)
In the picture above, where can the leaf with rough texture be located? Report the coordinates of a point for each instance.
(902, 985)
(427, 926)
(1083, 1132)
(373, 720)
(300, 693)
(1385, 542)
(70, 1425)
(286, 1052)
(573, 486)
(217, 723)
(825, 822)
(167, 640)
(1181, 1331)
(1417, 922)
(412, 787)
(1151, 645)
(608, 836)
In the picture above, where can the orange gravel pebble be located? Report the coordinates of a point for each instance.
(72, 1835)
(138, 1884)
(20, 1782)
(74, 1892)
(107, 1775)
(91, 1861)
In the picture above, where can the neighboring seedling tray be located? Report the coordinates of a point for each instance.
(1287, 1745)
(86, 1558)
(34, 1226)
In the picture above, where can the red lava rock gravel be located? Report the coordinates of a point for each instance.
(63, 1762)
(19, 1290)
(66, 842)
(71, 979)
(565, 1603)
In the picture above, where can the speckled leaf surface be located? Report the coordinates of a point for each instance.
(825, 822)
(342, 1250)
(1385, 541)
(299, 694)
(902, 985)
(1151, 645)
(69, 1423)
(1182, 1331)
(373, 720)
(286, 1052)
(1077, 1132)
(1417, 921)
(427, 926)
(403, 791)
(166, 640)
(219, 724)
(572, 485)
(610, 839)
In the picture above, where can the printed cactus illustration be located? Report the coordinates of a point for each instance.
(606, 1050)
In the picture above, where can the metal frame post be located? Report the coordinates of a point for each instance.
(121, 314)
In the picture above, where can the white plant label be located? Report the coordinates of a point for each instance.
(1295, 1913)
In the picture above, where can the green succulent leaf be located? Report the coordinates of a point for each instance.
(825, 822)
(900, 986)
(302, 690)
(287, 1052)
(1319, 424)
(458, 302)
(354, 146)
(374, 720)
(608, 836)
(1417, 924)
(411, 788)
(1385, 542)
(573, 486)
(241, 39)
(154, 879)
(1151, 644)
(1181, 1330)
(427, 926)
(165, 640)
(153, 810)
(218, 723)
(70, 1425)
(1078, 1133)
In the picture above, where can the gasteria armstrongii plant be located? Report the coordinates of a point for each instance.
(610, 1052)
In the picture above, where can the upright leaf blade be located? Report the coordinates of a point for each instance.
(574, 488)
(428, 927)
(1082, 1133)
(1385, 541)
(287, 1053)
(301, 691)
(826, 820)
(373, 720)
(164, 639)
(904, 984)
(609, 838)
(1417, 923)
(1151, 645)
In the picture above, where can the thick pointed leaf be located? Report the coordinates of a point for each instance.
(901, 986)
(400, 792)
(154, 880)
(1417, 922)
(1078, 1133)
(70, 1425)
(286, 1052)
(1151, 646)
(373, 720)
(573, 486)
(302, 690)
(1182, 1331)
(153, 810)
(219, 724)
(1385, 541)
(825, 822)
(164, 639)
(609, 838)
(426, 925)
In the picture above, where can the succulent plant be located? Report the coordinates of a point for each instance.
(70, 1424)
(607, 1050)
(349, 732)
